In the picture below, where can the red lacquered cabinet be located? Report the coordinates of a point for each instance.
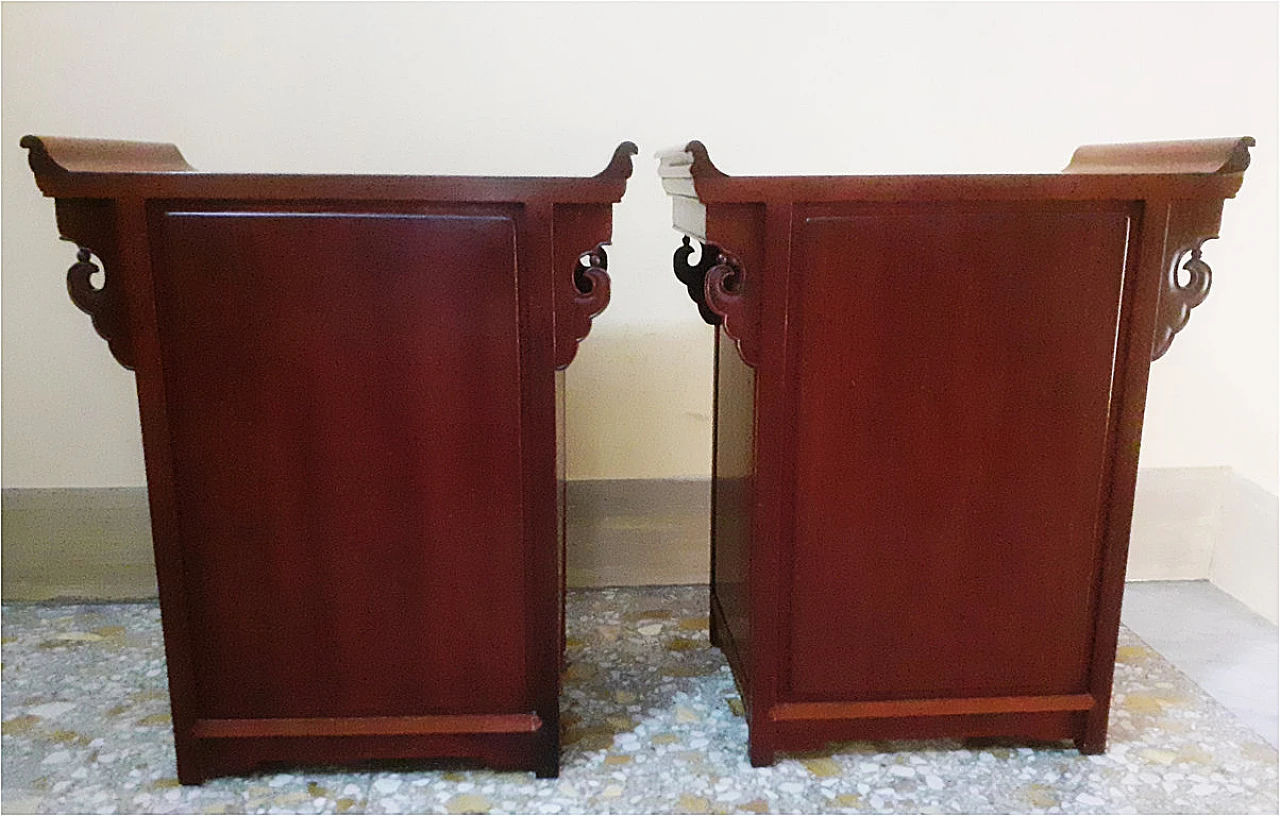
(928, 404)
(350, 390)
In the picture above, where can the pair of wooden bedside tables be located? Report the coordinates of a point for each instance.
(928, 403)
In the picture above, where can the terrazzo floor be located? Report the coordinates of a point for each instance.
(1227, 649)
(652, 724)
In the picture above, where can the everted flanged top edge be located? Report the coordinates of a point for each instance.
(690, 160)
(69, 155)
(1209, 156)
(619, 166)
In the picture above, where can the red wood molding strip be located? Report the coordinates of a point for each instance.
(368, 726)
(784, 712)
(1213, 156)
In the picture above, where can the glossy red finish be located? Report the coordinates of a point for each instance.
(929, 395)
(348, 389)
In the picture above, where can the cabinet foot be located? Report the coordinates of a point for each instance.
(762, 756)
(190, 770)
(1088, 745)
(547, 746)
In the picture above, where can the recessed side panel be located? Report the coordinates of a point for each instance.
(955, 368)
(733, 505)
(343, 394)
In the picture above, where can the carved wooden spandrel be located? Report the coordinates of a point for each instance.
(590, 297)
(582, 285)
(727, 295)
(1191, 225)
(95, 280)
(102, 303)
(1177, 298)
(694, 275)
(717, 284)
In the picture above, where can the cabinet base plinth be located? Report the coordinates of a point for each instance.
(236, 756)
(815, 734)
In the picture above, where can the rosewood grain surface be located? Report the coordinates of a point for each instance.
(311, 544)
(931, 390)
(962, 412)
(348, 388)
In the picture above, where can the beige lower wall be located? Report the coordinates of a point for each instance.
(631, 412)
(95, 543)
(90, 543)
(1188, 524)
(1246, 558)
(1176, 523)
(638, 532)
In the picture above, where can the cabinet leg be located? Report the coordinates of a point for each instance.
(1092, 738)
(187, 776)
(1086, 745)
(548, 765)
(547, 749)
(760, 751)
(190, 769)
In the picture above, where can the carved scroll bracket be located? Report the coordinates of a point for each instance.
(694, 276)
(590, 296)
(90, 225)
(717, 284)
(1178, 299)
(1190, 224)
(103, 304)
(725, 290)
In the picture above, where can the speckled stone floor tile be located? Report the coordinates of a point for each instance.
(652, 724)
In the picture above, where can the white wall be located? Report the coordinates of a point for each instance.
(550, 89)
